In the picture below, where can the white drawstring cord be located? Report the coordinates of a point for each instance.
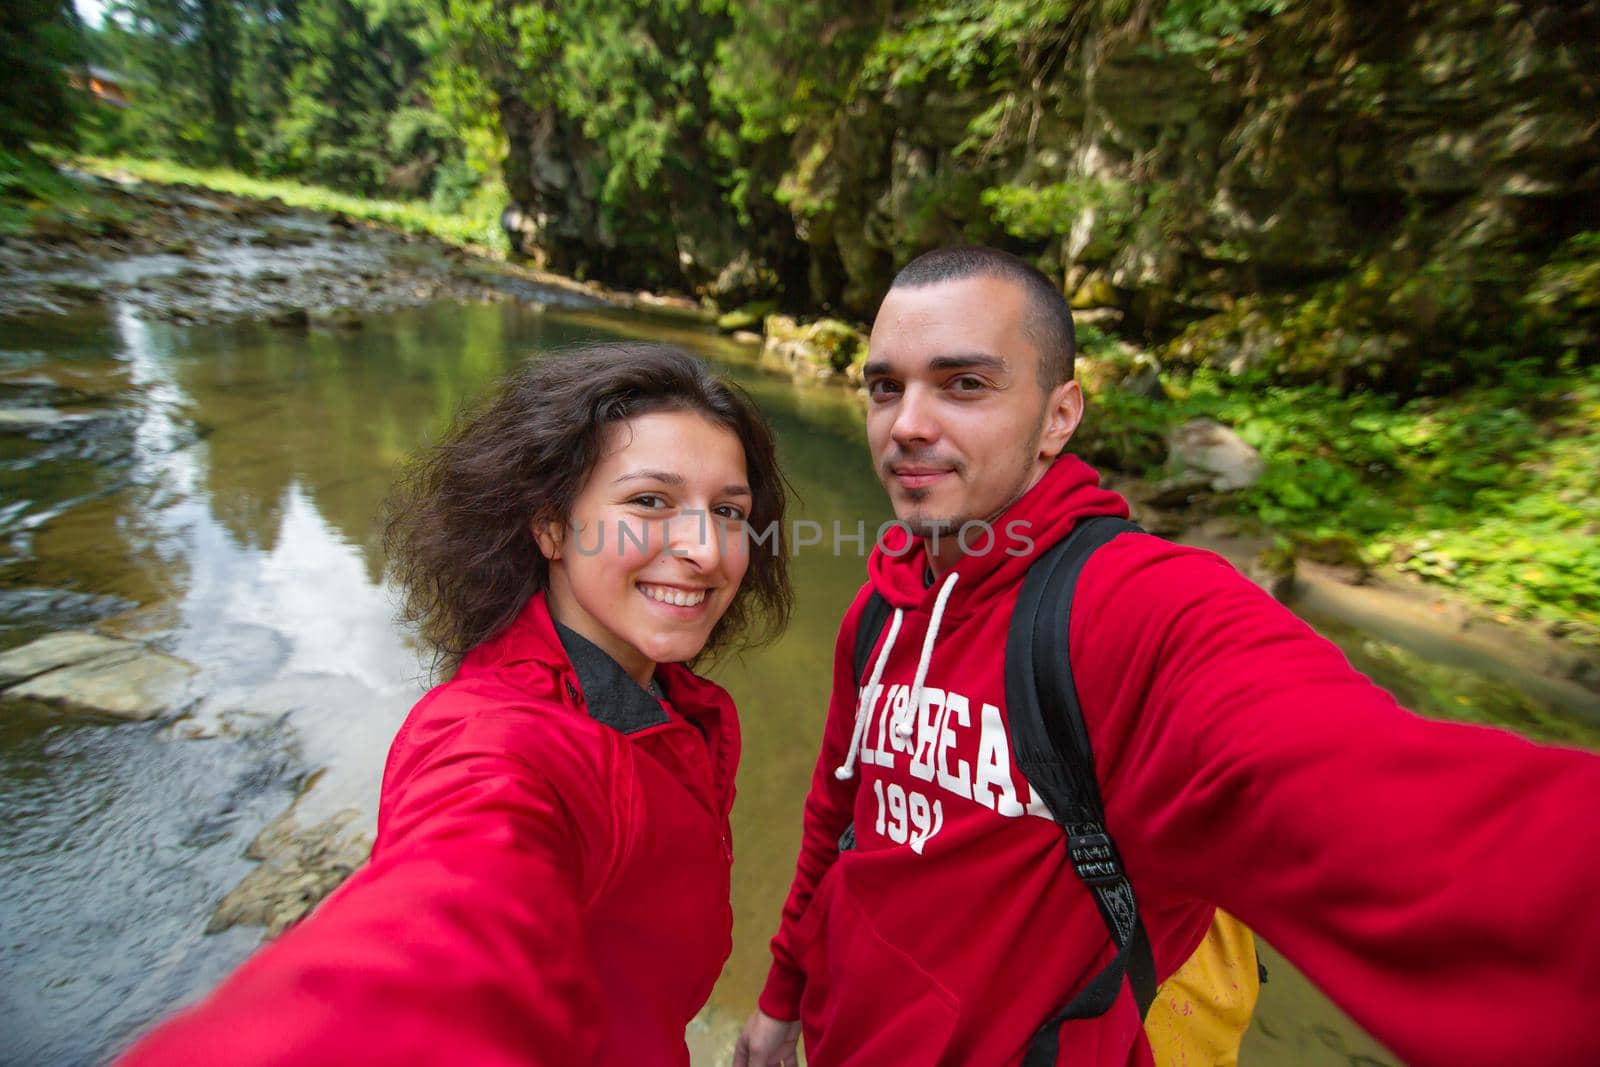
(902, 721)
(848, 768)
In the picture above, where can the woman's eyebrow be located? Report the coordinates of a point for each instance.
(666, 477)
(678, 481)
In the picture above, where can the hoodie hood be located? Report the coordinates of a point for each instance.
(996, 560)
(1070, 490)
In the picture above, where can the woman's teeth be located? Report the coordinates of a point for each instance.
(673, 596)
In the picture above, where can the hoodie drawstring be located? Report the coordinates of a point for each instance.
(848, 768)
(902, 722)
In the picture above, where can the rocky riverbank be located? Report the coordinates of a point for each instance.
(198, 256)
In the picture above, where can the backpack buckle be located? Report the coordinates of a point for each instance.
(1094, 858)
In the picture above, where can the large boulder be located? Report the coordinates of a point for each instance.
(1206, 450)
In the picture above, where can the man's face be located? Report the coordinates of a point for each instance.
(957, 421)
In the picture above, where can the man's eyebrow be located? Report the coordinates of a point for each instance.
(967, 361)
(960, 361)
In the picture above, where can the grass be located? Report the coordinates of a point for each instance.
(36, 197)
(476, 228)
(1493, 491)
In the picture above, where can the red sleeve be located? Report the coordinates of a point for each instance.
(458, 943)
(1437, 880)
(829, 808)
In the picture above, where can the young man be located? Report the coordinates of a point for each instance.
(1437, 880)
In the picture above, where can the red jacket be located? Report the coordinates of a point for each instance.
(1437, 880)
(549, 884)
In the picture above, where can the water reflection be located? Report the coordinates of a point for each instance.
(230, 481)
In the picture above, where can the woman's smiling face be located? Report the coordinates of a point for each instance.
(656, 545)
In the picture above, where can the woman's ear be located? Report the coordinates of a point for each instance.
(547, 533)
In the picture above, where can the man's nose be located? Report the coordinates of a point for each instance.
(914, 420)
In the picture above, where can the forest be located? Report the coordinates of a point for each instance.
(1365, 235)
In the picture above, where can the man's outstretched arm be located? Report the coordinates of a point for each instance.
(1437, 880)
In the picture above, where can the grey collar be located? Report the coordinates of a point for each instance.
(611, 696)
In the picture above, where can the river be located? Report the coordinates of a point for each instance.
(218, 497)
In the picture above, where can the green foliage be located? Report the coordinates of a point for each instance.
(1204, 25)
(1042, 212)
(330, 90)
(35, 197)
(1494, 491)
(39, 41)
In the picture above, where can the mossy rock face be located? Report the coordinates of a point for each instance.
(827, 345)
(1096, 291)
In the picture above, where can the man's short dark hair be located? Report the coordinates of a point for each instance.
(1048, 323)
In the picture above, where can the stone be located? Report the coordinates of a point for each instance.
(1095, 292)
(1204, 448)
(28, 420)
(127, 681)
(294, 318)
(298, 867)
(57, 651)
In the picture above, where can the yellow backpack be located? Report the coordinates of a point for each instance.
(1200, 1013)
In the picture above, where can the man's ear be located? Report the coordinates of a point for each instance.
(547, 533)
(1063, 412)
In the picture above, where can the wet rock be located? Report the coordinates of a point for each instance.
(142, 623)
(28, 420)
(56, 651)
(292, 318)
(1206, 449)
(298, 868)
(98, 675)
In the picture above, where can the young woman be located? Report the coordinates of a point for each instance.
(549, 883)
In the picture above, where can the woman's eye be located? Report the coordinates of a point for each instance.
(732, 512)
(648, 500)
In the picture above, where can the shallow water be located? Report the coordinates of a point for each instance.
(225, 480)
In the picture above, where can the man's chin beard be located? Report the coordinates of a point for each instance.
(926, 526)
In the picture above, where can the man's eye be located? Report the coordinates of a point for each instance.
(967, 384)
(881, 388)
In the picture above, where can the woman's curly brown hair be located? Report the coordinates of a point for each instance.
(457, 527)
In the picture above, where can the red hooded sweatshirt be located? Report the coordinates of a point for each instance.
(549, 884)
(1437, 880)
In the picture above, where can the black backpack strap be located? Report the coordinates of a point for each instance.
(1052, 750)
(874, 616)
